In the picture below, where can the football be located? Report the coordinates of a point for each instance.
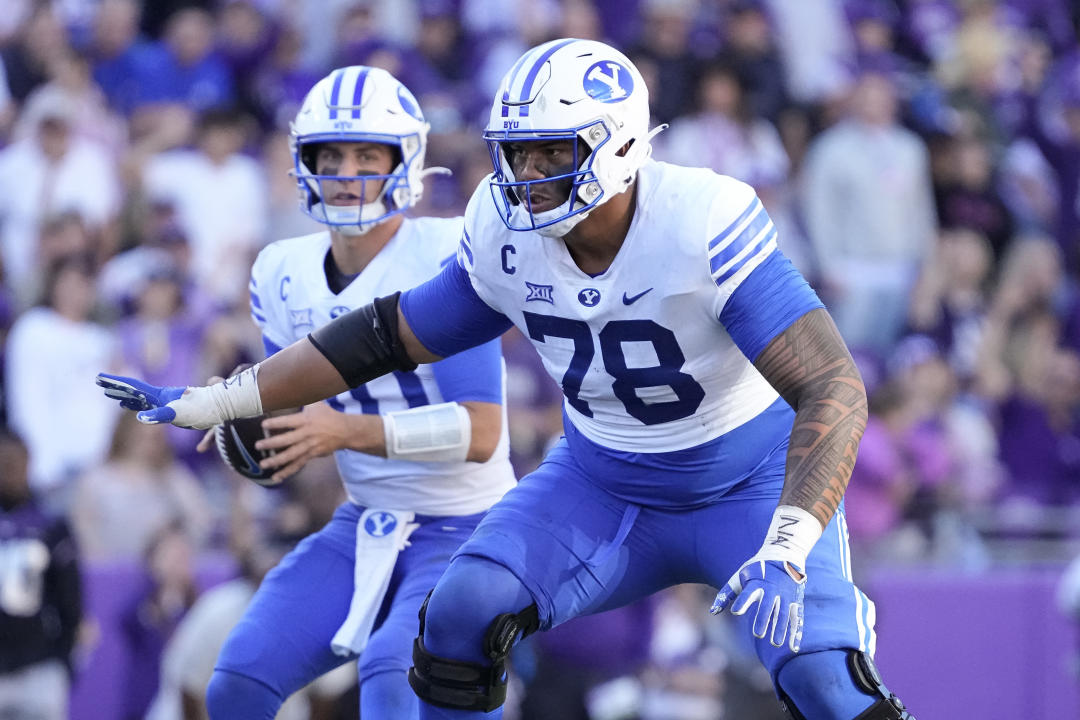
(235, 440)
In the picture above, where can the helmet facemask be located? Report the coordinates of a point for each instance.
(573, 183)
(355, 218)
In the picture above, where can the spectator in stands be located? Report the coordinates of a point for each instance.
(163, 337)
(246, 37)
(279, 85)
(190, 654)
(48, 170)
(870, 215)
(35, 46)
(724, 136)
(121, 506)
(1040, 421)
(168, 594)
(220, 199)
(51, 352)
(119, 54)
(817, 48)
(966, 191)
(40, 596)
(950, 300)
(749, 47)
(664, 41)
(1050, 118)
(191, 73)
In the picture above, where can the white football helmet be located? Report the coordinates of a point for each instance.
(360, 104)
(574, 90)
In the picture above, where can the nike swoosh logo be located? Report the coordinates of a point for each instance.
(635, 298)
(253, 466)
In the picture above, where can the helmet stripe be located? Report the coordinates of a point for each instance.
(335, 92)
(510, 83)
(526, 89)
(358, 93)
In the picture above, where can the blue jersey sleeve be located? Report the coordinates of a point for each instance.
(447, 316)
(767, 302)
(475, 374)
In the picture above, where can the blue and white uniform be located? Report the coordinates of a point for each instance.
(673, 459)
(290, 298)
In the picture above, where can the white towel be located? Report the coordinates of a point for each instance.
(380, 536)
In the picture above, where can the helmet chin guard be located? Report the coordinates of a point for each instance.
(582, 91)
(360, 104)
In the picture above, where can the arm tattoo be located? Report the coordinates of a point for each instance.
(811, 368)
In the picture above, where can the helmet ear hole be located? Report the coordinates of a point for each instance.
(621, 152)
(309, 155)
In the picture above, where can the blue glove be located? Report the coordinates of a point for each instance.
(149, 400)
(776, 588)
(774, 580)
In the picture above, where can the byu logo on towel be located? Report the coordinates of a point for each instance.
(380, 524)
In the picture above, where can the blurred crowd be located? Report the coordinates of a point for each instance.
(921, 159)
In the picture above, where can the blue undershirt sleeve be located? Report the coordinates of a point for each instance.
(766, 303)
(475, 374)
(447, 316)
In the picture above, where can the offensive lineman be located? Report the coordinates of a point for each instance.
(422, 453)
(710, 401)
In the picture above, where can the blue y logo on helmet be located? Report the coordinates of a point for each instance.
(608, 82)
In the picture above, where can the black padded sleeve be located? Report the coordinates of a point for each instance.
(364, 344)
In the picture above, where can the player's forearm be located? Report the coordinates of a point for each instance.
(357, 347)
(811, 368)
(475, 433)
(296, 376)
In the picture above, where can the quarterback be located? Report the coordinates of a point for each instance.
(712, 411)
(422, 452)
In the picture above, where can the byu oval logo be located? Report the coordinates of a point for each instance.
(589, 297)
(380, 524)
(608, 82)
(338, 310)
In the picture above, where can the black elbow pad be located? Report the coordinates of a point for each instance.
(364, 344)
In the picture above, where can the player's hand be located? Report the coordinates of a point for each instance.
(315, 431)
(772, 583)
(773, 589)
(154, 404)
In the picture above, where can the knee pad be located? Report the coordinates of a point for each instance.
(231, 695)
(867, 680)
(462, 685)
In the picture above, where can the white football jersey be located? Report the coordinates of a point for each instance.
(644, 363)
(290, 298)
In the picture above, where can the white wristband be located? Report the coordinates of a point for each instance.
(791, 536)
(205, 407)
(432, 433)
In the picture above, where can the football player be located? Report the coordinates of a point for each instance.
(712, 411)
(422, 452)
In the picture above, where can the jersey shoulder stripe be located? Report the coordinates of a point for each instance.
(752, 232)
(465, 248)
